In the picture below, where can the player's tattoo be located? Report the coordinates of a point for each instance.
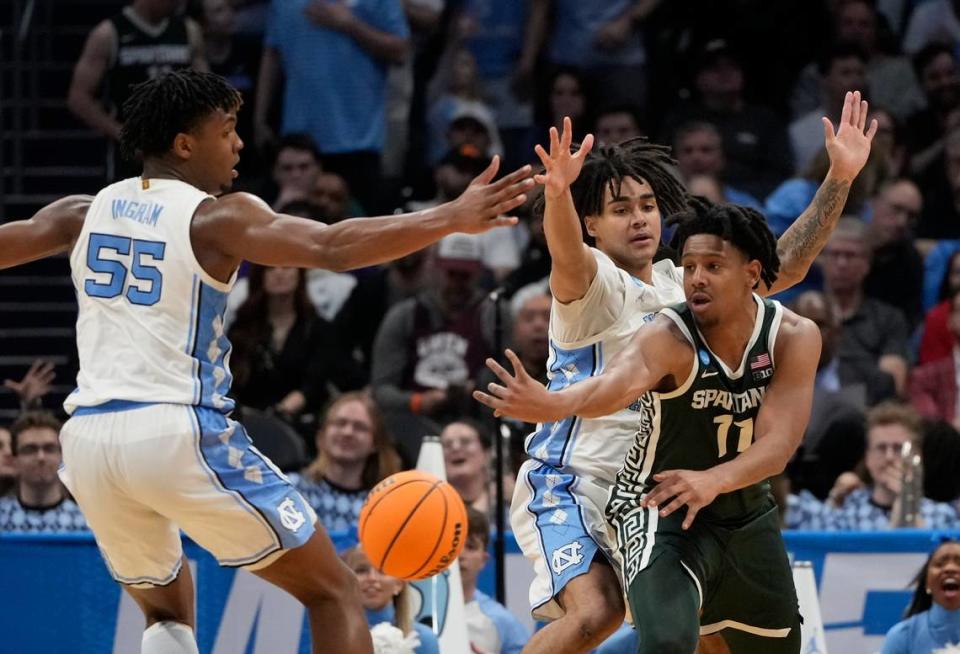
(802, 242)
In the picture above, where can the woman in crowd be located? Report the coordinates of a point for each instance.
(387, 599)
(354, 452)
(932, 621)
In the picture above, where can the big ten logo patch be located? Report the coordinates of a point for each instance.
(441, 360)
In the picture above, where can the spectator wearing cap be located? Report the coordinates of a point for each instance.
(314, 46)
(842, 69)
(754, 138)
(430, 348)
(500, 247)
(40, 505)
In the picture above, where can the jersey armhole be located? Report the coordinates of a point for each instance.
(667, 312)
(774, 330)
(205, 277)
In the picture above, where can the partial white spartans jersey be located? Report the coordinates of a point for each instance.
(584, 336)
(150, 327)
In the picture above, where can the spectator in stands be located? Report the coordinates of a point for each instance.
(934, 21)
(236, 57)
(936, 68)
(933, 386)
(698, 149)
(145, 39)
(491, 628)
(932, 620)
(566, 96)
(888, 143)
(8, 466)
(842, 70)
(874, 333)
(319, 46)
(387, 599)
(34, 386)
(467, 459)
(875, 506)
(332, 196)
(535, 259)
(940, 218)
(890, 77)
(430, 348)
(281, 348)
(360, 316)
(603, 38)
(617, 123)
(800, 510)
(296, 169)
(896, 267)
(500, 252)
(493, 31)
(834, 440)
(755, 139)
(354, 452)
(938, 340)
(41, 503)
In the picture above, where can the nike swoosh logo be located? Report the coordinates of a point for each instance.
(707, 373)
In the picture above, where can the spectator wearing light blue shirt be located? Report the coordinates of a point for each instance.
(334, 58)
(932, 621)
(492, 629)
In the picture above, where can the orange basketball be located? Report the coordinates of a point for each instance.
(413, 525)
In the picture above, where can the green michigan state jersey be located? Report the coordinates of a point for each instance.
(708, 420)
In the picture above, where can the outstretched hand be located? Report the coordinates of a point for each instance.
(485, 203)
(520, 396)
(561, 166)
(849, 146)
(35, 384)
(675, 488)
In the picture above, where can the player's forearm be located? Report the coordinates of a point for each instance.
(389, 48)
(600, 396)
(361, 242)
(94, 115)
(571, 271)
(27, 240)
(804, 239)
(765, 458)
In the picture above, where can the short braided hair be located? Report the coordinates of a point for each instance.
(744, 227)
(608, 165)
(159, 109)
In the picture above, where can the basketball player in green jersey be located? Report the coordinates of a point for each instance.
(725, 383)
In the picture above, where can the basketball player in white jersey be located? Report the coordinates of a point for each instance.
(150, 448)
(602, 295)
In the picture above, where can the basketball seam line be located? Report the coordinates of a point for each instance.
(406, 520)
(439, 538)
(366, 517)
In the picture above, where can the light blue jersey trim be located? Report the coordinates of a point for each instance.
(191, 336)
(113, 406)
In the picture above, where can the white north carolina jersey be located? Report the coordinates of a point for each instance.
(150, 324)
(584, 336)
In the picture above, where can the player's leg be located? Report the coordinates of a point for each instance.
(315, 575)
(140, 547)
(665, 603)
(714, 644)
(741, 642)
(593, 609)
(575, 588)
(169, 613)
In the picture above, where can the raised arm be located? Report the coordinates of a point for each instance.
(655, 353)
(241, 226)
(848, 148)
(573, 267)
(52, 230)
(779, 428)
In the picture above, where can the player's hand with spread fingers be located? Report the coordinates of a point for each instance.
(520, 396)
(485, 204)
(849, 146)
(676, 488)
(561, 166)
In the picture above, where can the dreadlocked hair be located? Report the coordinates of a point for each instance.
(608, 165)
(744, 227)
(175, 102)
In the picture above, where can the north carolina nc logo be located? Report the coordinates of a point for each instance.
(566, 556)
(290, 515)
